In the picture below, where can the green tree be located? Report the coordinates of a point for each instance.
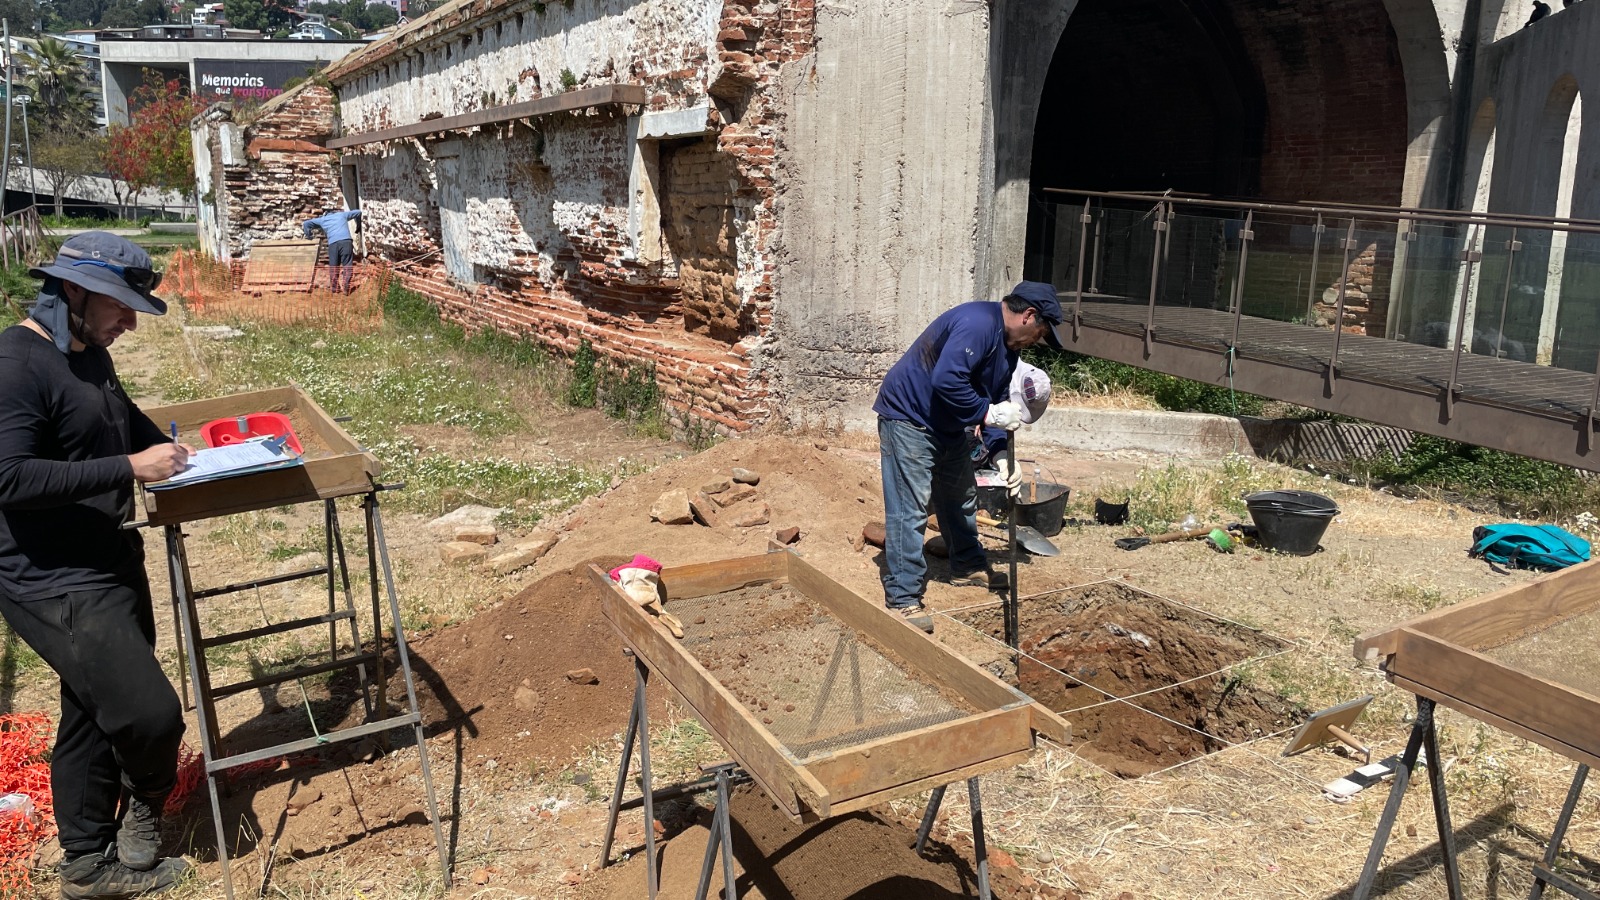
(23, 16)
(65, 14)
(260, 15)
(64, 160)
(380, 15)
(59, 85)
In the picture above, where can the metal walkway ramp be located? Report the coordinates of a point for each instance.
(1192, 307)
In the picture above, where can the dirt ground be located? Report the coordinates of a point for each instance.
(525, 695)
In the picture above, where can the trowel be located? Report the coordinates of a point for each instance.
(1027, 536)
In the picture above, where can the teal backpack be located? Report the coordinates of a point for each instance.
(1528, 546)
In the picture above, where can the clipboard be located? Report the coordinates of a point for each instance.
(233, 461)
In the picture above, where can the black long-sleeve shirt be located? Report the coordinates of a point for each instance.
(66, 485)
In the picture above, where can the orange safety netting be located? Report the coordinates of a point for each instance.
(230, 292)
(24, 769)
(192, 774)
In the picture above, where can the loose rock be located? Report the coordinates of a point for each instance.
(787, 535)
(745, 476)
(462, 552)
(737, 495)
(758, 514)
(523, 553)
(716, 487)
(672, 508)
(704, 510)
(477, 534)
(445, 526)
(583, 676)
(874, 534)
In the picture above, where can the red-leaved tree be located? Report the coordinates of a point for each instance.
(127, 161)
(155, 145)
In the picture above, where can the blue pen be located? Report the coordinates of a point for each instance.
(174, 431)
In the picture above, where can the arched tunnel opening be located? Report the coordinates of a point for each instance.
(1238, 99)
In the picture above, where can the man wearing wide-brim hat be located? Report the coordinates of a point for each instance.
(72, 579)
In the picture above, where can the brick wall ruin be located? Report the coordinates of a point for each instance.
(269, 169)
(654, 247)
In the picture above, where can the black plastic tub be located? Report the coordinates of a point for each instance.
(1291, 522)
(1043, 506)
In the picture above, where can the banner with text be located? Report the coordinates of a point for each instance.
(250, 80)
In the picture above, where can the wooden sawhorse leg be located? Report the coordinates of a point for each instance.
(1545, 873)
(980, 847)
(1423, 733)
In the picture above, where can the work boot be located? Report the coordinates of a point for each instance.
(917, 615)
(988, 579)
(100, 876)
(139, 838)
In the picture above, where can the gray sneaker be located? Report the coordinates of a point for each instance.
(101, 876)
(917, 615)
(139, 838)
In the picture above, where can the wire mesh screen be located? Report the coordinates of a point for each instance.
(817, 684)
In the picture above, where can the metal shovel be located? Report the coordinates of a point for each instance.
(1028, 537)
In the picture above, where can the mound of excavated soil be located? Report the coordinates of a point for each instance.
(535, 678)
(856, 857)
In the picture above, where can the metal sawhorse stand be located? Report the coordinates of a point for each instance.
(1425, 734)
(193, 646)
(721, 778)
(1544, 873)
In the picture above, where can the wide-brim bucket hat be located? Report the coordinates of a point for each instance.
(105, 263)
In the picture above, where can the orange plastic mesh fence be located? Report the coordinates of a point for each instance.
(192, 774)
(228, 292)
(24, 769)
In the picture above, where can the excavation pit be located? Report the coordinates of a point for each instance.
(1146, 683)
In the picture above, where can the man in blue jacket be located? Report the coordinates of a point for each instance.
(341, 253)
(956, 375)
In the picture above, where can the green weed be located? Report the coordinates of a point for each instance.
(1072, 372)
(582, 390)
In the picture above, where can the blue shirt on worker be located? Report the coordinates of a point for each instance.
(956, 368)
(332, 224)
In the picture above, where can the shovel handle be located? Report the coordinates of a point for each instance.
(1134, 543)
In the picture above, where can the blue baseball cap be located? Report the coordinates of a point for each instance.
(1042, 297)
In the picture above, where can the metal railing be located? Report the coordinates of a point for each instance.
(1474, 283)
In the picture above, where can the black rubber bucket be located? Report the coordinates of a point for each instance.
(1110, 513)
(1291, 522)
(1043, 506)
(994, 498)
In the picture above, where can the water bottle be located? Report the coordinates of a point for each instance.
(16, 808)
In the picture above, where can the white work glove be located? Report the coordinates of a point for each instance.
(642, 585)
(1012, 477)
(1004, 414)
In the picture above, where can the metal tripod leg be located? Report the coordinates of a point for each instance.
(721, 838)
(335, 554)
(1545, 873)
(638, 731)
(178, 569)
(980, 846)
(1422, 730)
(375, 538)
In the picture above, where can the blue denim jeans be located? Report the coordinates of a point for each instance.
(923, 473)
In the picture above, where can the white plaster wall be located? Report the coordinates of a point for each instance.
(880, 174)
(598, 42)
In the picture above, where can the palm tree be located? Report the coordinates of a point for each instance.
(60, 89)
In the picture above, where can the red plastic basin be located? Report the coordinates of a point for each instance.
(235, 429)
